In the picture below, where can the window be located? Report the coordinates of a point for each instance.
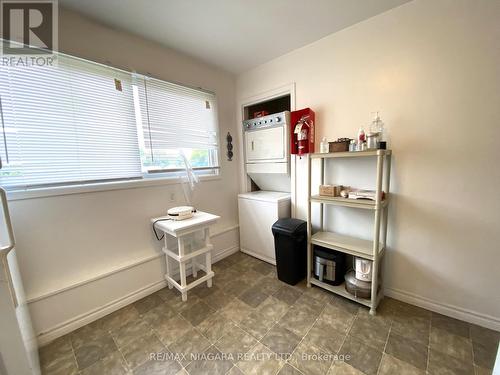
(82, 122)
(173, 118)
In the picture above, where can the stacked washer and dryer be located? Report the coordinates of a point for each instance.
(267, 162)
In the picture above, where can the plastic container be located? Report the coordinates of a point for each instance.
(377, 129)
(353, 145)
(377, 125)
(290, 245)
(361, 135)
(372, 142)
(323, 146)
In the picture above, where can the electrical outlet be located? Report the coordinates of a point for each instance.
(172, 197)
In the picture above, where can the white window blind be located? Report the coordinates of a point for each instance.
(82, 122)
(172, 117)
(67, 124)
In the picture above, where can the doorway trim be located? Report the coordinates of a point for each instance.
(286, 89)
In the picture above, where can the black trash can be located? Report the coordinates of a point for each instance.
(290, 245)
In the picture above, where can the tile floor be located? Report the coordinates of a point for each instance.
(282, 329)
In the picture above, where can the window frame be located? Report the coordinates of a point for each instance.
(148, 178)
(22, 194)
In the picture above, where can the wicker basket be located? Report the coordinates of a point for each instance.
(340, 145)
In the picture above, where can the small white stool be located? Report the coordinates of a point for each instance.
(188, 249)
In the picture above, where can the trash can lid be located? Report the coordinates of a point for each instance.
(290, 226)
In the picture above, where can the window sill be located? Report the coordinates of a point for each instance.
(16, 195)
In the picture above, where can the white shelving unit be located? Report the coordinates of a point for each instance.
(373, 249)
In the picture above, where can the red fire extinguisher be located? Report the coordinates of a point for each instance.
(302, 132)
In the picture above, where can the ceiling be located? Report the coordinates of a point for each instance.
(235, 35)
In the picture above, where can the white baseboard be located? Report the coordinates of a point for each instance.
(259, 256)
(445, 309)
(89, 317)
(93, 315)
(225, 253)
(88, 280)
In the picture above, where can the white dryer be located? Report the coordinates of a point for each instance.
(267, 151)
(258, 211)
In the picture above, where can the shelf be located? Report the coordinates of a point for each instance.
(345, 244)
(352, 154)
(346, 202)
(368, 249)
(340, 290)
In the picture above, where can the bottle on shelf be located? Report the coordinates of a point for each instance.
(361, 139)
(377, 131)
(372, 140)
(323, 146)
(352, 145)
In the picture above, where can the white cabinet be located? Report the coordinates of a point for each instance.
(258, 211)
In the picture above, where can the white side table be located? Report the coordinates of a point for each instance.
(189, 247)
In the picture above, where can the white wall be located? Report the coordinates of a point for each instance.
(432, 68)
(82, 255)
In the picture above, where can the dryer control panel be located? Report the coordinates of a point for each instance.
(276, 119)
